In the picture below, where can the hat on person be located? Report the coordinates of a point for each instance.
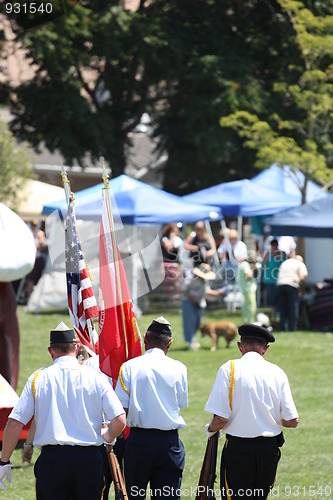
(62, 335)
(204, 272)
(160, 326)
(251, 331)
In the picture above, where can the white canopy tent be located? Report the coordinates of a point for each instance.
(34, 195)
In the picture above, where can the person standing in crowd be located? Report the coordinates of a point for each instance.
(68, 401)
(271, 263)
(194, 290)
(248, 285)
(152, 388)
(292, 273)
(250, 399)
(171, 243)
(233, 250)
(201, 247)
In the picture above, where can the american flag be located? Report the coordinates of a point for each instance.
(82, 304)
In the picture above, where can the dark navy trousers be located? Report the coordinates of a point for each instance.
(70, 473)
(248, 467)
(288, 307)
(156, 457)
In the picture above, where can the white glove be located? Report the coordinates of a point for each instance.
(210, 433)
(5, 471)
(103, 432)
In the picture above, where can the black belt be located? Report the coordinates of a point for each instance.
(279, 438)
(69, 446)
(153, 431)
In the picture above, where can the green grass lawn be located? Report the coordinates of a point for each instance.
(306, 466)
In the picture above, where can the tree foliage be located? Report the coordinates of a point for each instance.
(300, 132)
(187, 64)
(15, 167)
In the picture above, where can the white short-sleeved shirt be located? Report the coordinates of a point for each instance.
(153, 387)
(261, 397)
(289, 272)
(239, 250)
(70, 401)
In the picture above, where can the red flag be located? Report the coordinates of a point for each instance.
(119, 337)
(82, 304)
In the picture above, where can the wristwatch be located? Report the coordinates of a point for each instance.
(27, 445)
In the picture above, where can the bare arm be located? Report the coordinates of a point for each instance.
(28, 448)
(215, 293)
(217, 423)
(290, 423)
(116, 426)
(10, 438)
(188, 244)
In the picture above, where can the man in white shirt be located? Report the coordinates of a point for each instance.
(234, 249)
(250, 399)
(68, 401)
(292, 273)
(152, 388)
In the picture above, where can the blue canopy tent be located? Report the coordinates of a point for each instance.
(138, 204)
(286, 181)
(141, 208)
(314, 220)
(243, 198)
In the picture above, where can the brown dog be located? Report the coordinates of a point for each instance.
(218, 329)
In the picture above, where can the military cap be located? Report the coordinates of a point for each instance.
(161, 326)
(62, 335)
(251, 331)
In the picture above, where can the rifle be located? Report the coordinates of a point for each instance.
(117, 477)
(205, 489)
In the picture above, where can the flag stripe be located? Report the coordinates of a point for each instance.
(82, 304)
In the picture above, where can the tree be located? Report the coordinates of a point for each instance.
(15, 166)
(245, 46)
(100, 66)
(299, 133)
(91, 83)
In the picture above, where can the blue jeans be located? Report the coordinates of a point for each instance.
(192, 315)
(288, 307)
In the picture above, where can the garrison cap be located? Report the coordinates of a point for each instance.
(161, 326)
(62, 335)
(251, 331)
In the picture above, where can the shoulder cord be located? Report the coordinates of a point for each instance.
(34, 383)
(232, 377)
(122, 380)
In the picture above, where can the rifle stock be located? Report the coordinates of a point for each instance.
(205, 490)
(117, 477)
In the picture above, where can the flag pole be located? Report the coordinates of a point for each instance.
(68, 193)
(105, 178)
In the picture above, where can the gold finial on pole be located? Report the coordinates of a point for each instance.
(105, 177)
